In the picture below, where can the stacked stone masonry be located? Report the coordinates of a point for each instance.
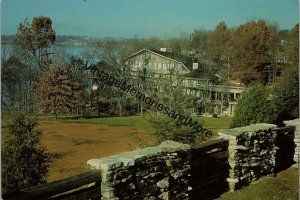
(296, 123)
(159, 172)
(178, 171)
(257, 150)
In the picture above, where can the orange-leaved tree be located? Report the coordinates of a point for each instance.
(54, 91)
(252, 43)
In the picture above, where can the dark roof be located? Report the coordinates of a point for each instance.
(186, 60)
(203, 72)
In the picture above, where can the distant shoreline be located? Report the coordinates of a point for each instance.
(58, 43)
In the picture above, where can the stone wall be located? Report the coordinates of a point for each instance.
(296, 123)
(178, 171)
(257, 150)
(159, 172)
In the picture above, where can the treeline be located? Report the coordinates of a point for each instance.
(59, 39)
(37, 79)
(255, 51)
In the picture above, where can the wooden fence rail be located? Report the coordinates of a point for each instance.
(82, 186)
(209, 169)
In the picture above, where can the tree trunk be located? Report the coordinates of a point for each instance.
(121, 105)
(222, 102)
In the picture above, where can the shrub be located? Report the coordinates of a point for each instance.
(256, 105)
(24, 162)
(166, 128)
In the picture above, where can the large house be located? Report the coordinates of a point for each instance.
(161, 63)
(196, 81)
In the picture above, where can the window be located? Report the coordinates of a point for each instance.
(165, 66)
(159, 66)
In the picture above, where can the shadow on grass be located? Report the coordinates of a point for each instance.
(88, 117)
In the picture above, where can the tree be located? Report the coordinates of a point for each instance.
(80, 83)
(54, 91)
(198, 40)
(170, 94)
(219, 43)
(166, 128)
(31, 46)
(6, 51)
(145, 79)
(179, 44)
(256, 105)
(24, 161)
(293, 47)
(113, 55)
(152, 43)
(36, 38)
(251, 45)
(15, 85)
(104, 98)
(287, 95)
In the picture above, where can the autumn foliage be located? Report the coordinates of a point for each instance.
(252, 44)
(54, 91)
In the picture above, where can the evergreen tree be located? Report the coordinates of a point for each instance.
(24, 162)
(165, 126)
(256, 105)
(14, 82)
(287, 96)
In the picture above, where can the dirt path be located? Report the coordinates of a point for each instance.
(72, 144)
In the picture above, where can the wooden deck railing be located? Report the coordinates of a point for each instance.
(82, 186)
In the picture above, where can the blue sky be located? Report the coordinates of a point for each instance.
(144, 18)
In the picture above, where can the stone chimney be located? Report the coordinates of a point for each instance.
(163, 49)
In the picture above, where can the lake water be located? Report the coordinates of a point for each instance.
(70, 50)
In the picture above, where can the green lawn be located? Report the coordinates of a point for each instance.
(285, 186)
(111, 121)
(212, 124)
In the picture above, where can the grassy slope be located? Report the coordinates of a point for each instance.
(110, 121)
(285, 186)
(212, 124)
